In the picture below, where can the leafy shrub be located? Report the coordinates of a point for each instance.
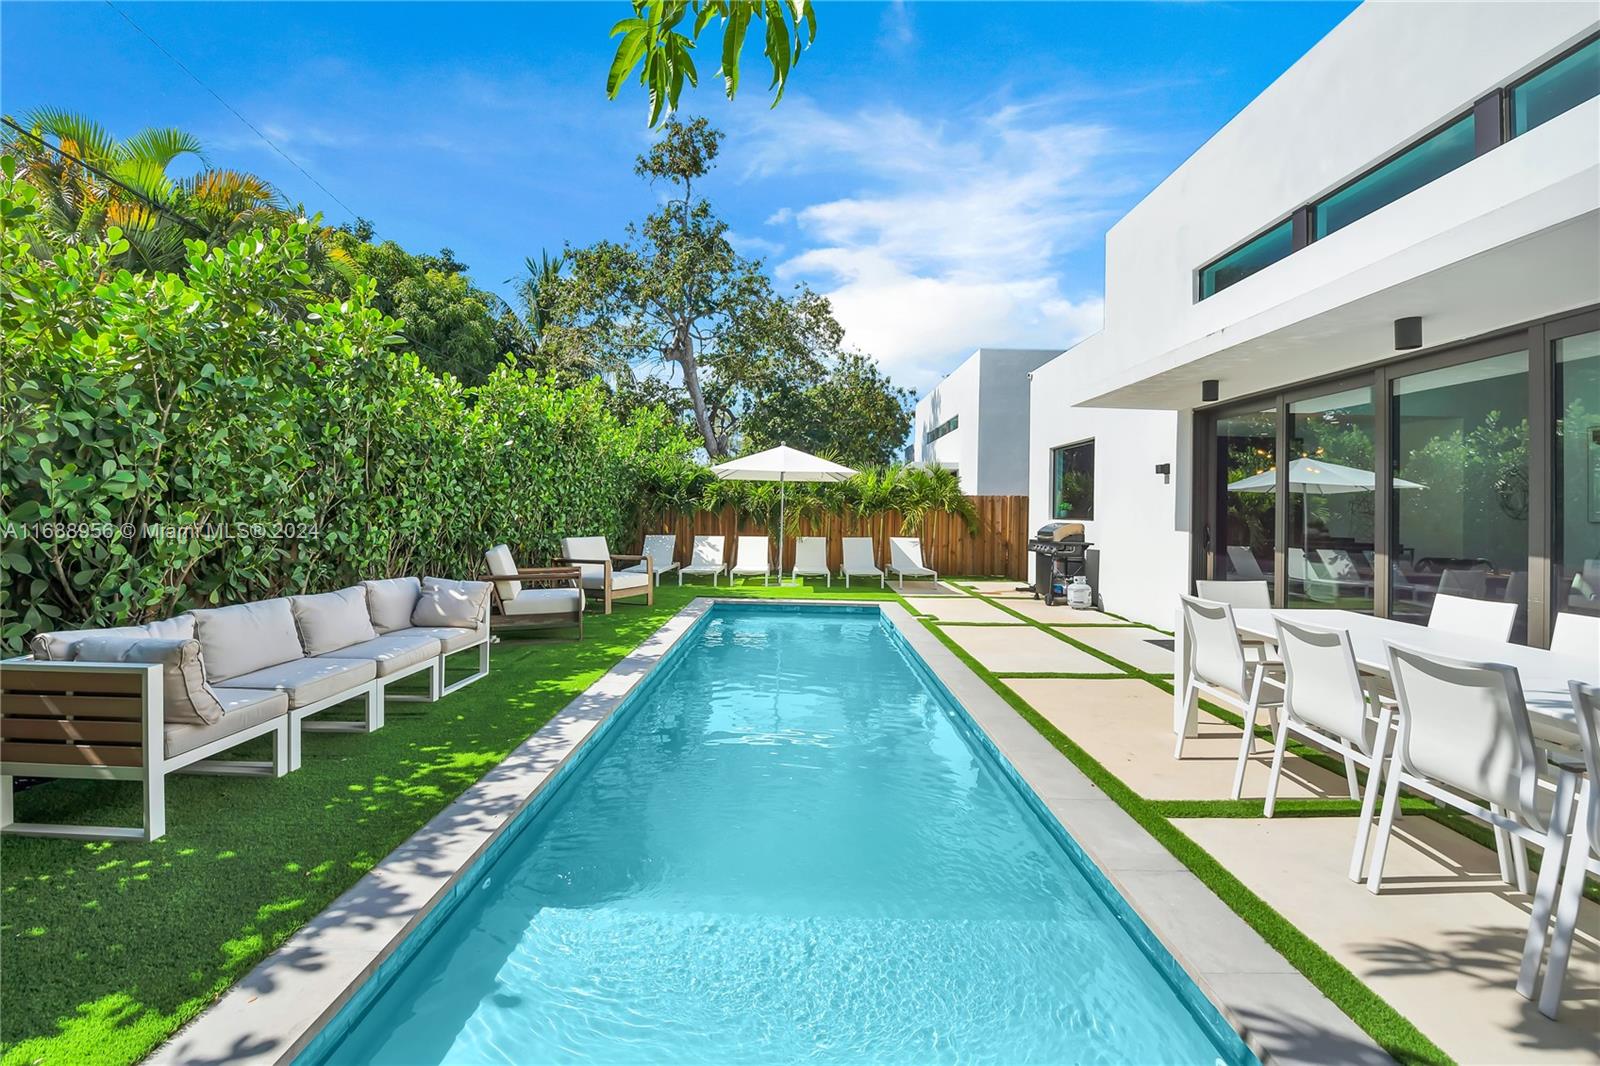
(177, 440)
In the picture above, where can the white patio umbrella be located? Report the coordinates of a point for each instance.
(782, 464)
(1310, 475)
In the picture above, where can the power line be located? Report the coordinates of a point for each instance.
(124, 186)
(252, 126)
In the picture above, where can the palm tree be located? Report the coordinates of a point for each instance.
(89, 182)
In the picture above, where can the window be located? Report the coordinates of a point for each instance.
(944, 428)
(1431, 158)
(1072, 481)
(1246, 259)
(1559, 87)
(1460, 495)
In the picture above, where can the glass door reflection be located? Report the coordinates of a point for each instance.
(1332, 487)
(1246, 535)
(1460, 438)
(1575, 559)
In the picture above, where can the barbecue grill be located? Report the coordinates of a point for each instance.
(1059, 551)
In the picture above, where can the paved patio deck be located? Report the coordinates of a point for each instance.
(1126, 726)
(1441, 944)
(1023, 649)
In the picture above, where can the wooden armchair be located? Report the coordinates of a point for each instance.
(552, 598)
(600, 576)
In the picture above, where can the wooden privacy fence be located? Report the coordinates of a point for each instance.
(999, 548)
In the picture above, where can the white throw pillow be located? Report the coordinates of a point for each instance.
(458, 604)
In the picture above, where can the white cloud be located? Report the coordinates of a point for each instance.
(952, 233)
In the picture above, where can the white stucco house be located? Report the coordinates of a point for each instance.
(1388, 262)
(975, 421)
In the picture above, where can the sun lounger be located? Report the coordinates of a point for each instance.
(705, 559)
(811, 559)
(905, 559)
(755, 557)
(858, 560)
(661, 549)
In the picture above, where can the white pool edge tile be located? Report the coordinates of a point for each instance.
(1286, 1021)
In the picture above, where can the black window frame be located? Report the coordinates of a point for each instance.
(1086, 515)
(943, 429)
(1493, 125)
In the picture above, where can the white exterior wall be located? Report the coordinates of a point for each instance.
(958, 394)
(1140, 519)
(989, 393)
(1507, 238)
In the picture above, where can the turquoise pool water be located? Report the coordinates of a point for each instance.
(790, 845)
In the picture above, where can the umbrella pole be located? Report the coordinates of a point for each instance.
(782, 500)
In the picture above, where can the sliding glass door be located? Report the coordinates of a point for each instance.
(1244, 496)
(1575, 481)
(1332, 486)
(1460, 496)
(1472, 471)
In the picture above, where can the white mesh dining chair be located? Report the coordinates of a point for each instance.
(1478, 618)
(1465, 740)
(1583, 857)
(1219, 669)
(1236, 593)
(1325, 703)
(1577, 635)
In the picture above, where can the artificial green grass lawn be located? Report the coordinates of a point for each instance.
(107, 948)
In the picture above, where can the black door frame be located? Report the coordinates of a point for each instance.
(1537, 338)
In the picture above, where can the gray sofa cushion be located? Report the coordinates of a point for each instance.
(59, 645)
(242, 708)
(391, 601)
(249, 637)
(454, 638)
(186, 697)
(456, 604)
(394, 652)
(308, 681)
(332, 620)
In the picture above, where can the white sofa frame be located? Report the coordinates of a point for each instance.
(92, 707)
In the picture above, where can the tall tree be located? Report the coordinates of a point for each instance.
(675, 295)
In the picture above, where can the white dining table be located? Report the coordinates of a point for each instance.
(1544, 674)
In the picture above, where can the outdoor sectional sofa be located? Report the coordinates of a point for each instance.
(140, 702)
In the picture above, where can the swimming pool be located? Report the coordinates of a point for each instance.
(789, 844)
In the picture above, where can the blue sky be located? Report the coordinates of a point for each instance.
(946, 172)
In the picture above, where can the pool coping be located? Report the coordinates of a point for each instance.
(1282, 1017)
(271, 1014)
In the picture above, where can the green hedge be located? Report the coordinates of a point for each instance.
(173, 440)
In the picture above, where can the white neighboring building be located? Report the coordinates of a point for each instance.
(975, 421)
(1438, 162)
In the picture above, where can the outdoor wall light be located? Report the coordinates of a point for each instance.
(1165, 470)
(1210, 388)
(1407, 334)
